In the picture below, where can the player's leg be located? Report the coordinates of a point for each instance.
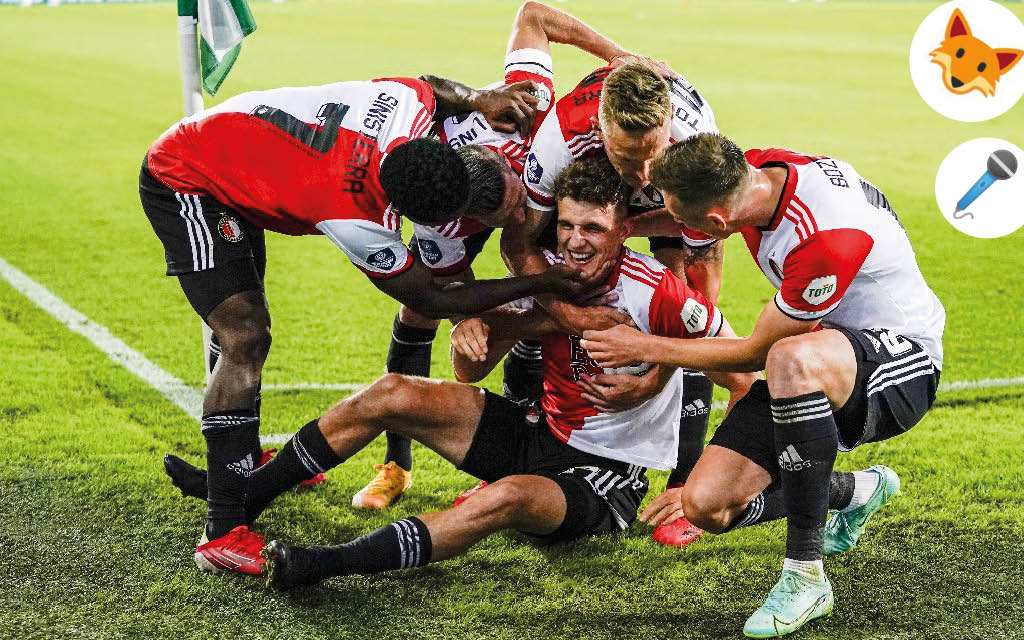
(533, 504)
(211, 252)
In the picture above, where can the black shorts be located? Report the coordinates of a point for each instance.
(214, 252)
(601, 495)
(895, 387)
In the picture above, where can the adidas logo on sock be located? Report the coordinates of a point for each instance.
(790, 460)
(243, 467)
(697, 407)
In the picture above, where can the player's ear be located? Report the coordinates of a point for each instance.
(718, 217)
(957, 25)
(1008, 58)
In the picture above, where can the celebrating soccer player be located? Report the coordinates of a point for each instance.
(579, 473)
(494, 157)
(632, 112)
(340, 160)
(851, 346)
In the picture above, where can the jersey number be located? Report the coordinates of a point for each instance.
(319, 141)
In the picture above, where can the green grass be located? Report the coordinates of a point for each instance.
(97, 544)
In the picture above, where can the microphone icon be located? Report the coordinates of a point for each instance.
(1002, 164)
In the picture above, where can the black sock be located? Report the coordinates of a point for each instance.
(770, 504)
(523, 382)
(232, 452)
(399, 545)
(409, 353)
(302, 457)
(806, 442)
(693, 424)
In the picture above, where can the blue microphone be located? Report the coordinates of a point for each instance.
(1002, 164)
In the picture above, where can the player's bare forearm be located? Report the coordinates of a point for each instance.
(656, 223)
(508, 108)
(519, 244)
(468, 370)
(537, 24)
(480, 342)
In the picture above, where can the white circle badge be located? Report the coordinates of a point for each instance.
(980, 188)
(966, 60)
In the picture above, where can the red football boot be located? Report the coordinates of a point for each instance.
(678, 533)
(317, 479)
(468, 492)
(236, 552)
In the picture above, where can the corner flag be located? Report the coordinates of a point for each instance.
(222, 25)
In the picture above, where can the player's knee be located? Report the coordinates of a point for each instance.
(391, 396)
(793, 361)
(502, 501)
(411, 318)
(705, 508)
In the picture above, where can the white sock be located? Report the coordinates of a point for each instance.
(864, 484)
(811, 569)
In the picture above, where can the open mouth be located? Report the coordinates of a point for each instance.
(956, 82)
(581, 257)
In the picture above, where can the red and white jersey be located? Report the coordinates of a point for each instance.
(304, 160)
(647, 435)
(443, 248)
(568, 134)
(836, 250)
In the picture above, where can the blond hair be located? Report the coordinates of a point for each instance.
(635, 98)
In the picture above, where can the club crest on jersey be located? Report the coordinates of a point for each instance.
(695, 316)
(229, 229)
(430, 251)
(383, 259)
(820, 290)
(533, 169)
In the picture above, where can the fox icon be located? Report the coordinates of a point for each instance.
(968, 64)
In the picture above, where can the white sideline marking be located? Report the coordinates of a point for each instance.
(185, 397)
(190, 400)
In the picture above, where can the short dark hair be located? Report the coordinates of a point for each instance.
(701, 170)
(426, 181)
(593, 180)
(486, 181)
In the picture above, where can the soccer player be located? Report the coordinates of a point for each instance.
(340, 160)
(579, 473)
(851, 346)
(632, 113)
(495, 156)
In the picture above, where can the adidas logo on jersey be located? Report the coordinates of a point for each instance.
(695, 316)
(820, 290)
(790, 460)
(695, 408)
(243, 467)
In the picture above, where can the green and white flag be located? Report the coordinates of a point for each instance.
(222, 25)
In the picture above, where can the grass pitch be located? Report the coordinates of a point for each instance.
(97, 544)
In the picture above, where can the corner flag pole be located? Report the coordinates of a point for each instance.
(192, 99)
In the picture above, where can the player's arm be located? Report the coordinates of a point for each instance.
(704, 268)
(415, 288)
(508, 108)
(622, 345)
(479, 343)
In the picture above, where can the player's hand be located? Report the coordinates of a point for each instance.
(619, 346)
(666, 508)
(569, 284)
(613, 392)
(509, 108)
(469, 338)
(659, 66)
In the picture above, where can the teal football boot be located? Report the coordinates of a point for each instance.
(793, 602)
(845, 528)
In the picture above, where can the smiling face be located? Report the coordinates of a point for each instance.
(589, 235)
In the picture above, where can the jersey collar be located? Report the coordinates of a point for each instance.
(785, 197)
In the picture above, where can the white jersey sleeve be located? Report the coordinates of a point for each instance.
(549, 155)
(378, 251)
